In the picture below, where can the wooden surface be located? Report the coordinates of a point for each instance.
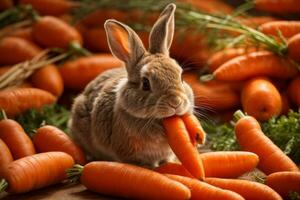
(58, 192)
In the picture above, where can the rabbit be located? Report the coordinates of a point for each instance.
(118, 117)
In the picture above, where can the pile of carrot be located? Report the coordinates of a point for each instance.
(267, 80)
(44, 158)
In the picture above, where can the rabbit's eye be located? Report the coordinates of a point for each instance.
(146, 84)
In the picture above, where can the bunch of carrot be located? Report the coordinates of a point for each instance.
(210, 175)
(44, 158)
(46, 85)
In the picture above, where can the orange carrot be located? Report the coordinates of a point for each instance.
(14, 136)
(180, 143)
(6, 4)
(78, 73)
(294, 91)
(50, 31)
(50, 7)
(48, 78)
(221, 57)
(94, 39)
(129, 181)
(247, 189)
(50, 138)
(24, 33)
(36, 171)
(173, 168)
(194, 128)
(234, 164)
(261, 99)
(98, 17)
(5, 155)
(284, 182)
(228, 164)
(294, 47)
(203, 191)
(14, 50)
(278, 6)
(286, 105)
(16, 101)
(261, 63)
(4, 69)
(251, 138)
(286, 28)
(210, 6)
(216, 98)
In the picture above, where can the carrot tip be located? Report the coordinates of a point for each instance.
(3, 185)
(207, 77)
(238, 115)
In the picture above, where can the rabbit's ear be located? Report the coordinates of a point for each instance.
(123, 42)
(161, 35)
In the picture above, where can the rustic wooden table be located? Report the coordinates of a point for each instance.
(58, 192)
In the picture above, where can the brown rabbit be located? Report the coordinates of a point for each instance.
(119, 115)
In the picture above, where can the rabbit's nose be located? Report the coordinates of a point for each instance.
(175, 102)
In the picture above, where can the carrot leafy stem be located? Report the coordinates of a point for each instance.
(74, 173)
(3, 185)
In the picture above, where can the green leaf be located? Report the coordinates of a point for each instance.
(55, 115)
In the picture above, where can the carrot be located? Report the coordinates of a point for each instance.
(294, 47)
(221, 57)
(36, 171)
(286, 28)
(284, 182)
(180, 143)
(261, 63)
(5, 156)
(14, 136)
(129, 181)
(203, 191)
(222, 97)
(294, 91)
(78, 73)
(234, 164)
(16, 101)
(6, 4)
(210, 6)
(14, 50)
(247, 189)
(229, 164)
(261, 99)
(50, 7)
(278, 6)
(4, 69)
(98, 17)
(194, 129)
(251, 138)
(286, 106)
(173, 168)
(50, 31)
(50, 138)
(191, 47)
(94, 39)
(48, 78)
(24, 33)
